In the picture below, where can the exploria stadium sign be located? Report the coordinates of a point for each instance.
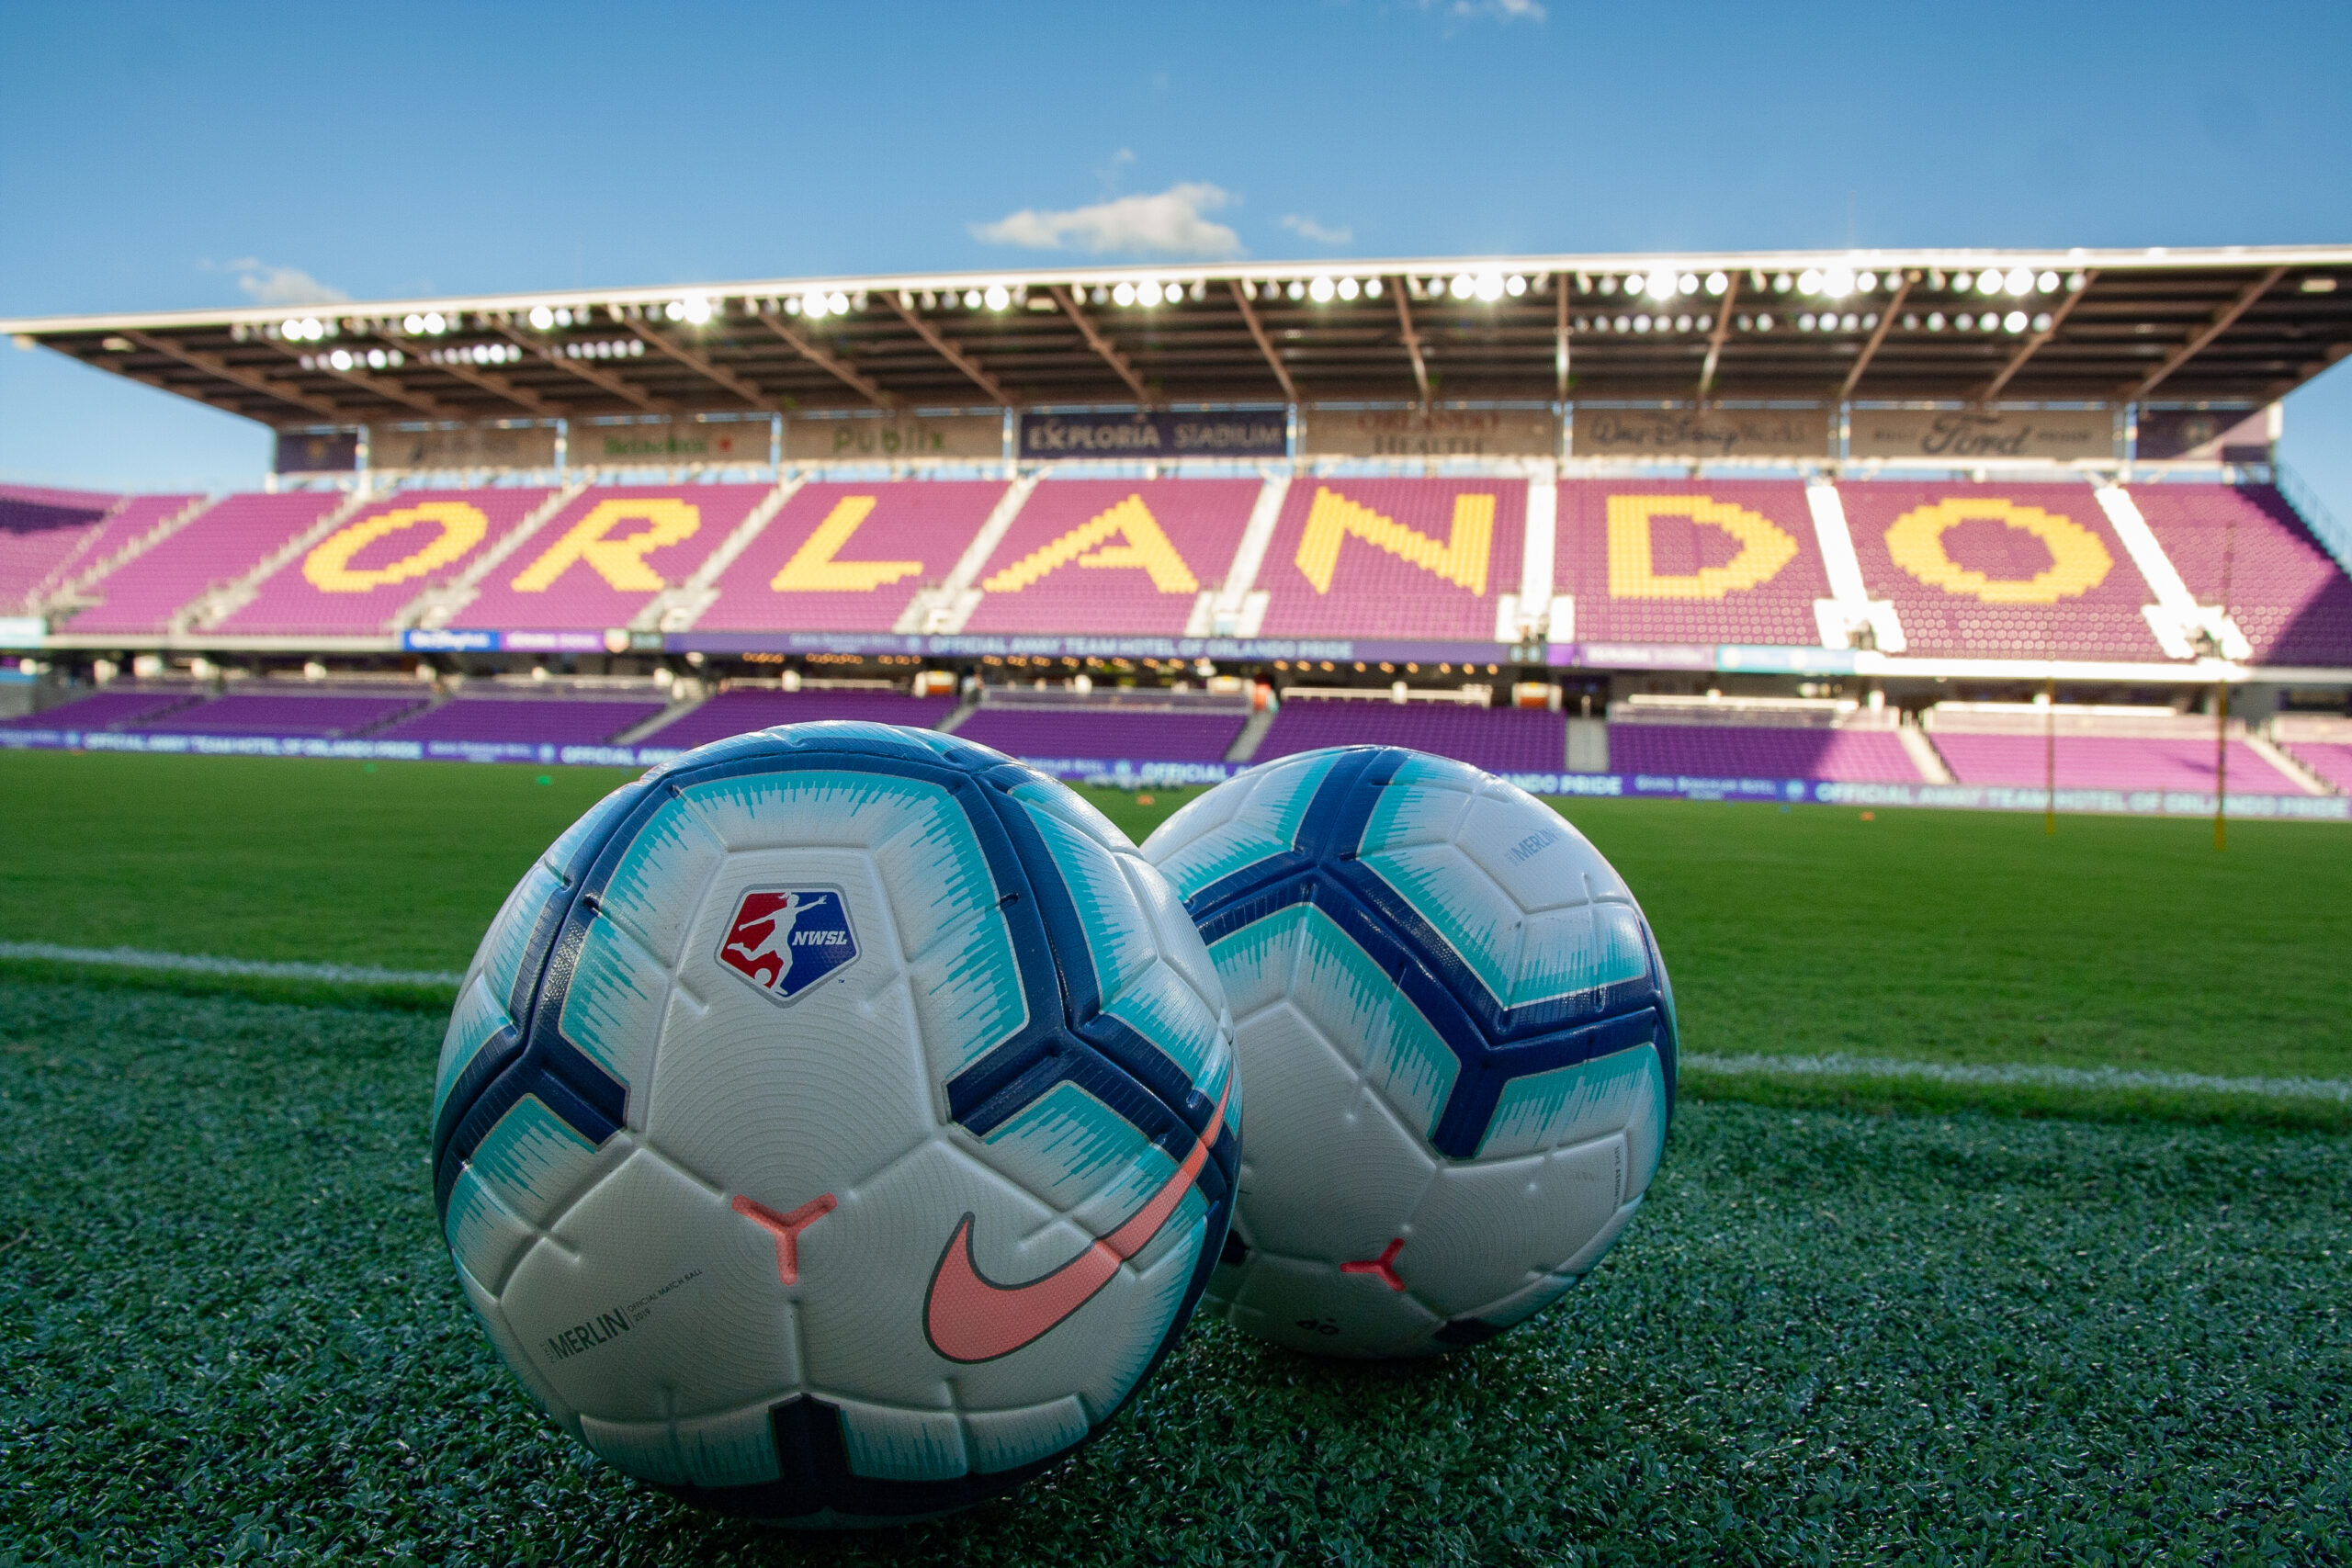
(1241, 433)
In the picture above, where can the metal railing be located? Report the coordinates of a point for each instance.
(2331, 535)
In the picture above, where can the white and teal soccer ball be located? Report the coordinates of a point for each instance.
(1458, 1038)
(837, 1124)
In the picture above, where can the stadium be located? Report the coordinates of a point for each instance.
(1936, 528)
(493, 1076)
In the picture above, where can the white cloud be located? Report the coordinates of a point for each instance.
(267, 285)
(1497, 10)
(1307, 229)
(1168, 224)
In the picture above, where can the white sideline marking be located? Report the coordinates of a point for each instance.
(134, 958)
(1839, 1065)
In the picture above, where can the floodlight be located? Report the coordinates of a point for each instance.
(2075, 283)
(434, 322)
(563, 316)
(1717, 283)
(2047, 283)
(1989, 281)
(1963, 282)
(792, 306)
(1747, 323)
(1848, 322)
(1124, 294)
(1764, 323)
(376, 359)
(340, 359)
(1809, 280)
(1200, 290)
(2015, 320)
(1372, 289)
(998, 297)
(1514, 286)
(1491, 286)
(1911, 321)
(291, 328)
(838, 303)
(1295, 290)
(1681, 324)
(1805, 321)
(1870, 320)
(1608, 285)
(2019, 281)
(542, 318)
(1867, 282)
(812, 305)
(675, 310)
(930, 300)
(1782, 283)
(1149, 292)
(1837, 282)
(1463, 284)
(1705, 324)
(1623, 324)
(2041, 322)
(1321, 291)
(412, 323)
(1688, 283)
(695, 308)
(1349, 288)
(1658, 285)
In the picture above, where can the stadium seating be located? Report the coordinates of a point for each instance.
(1759, 752)
(116, 708)
(225, 542)
(1501, 740)
(1393, 559)
(1674, 562)
(353, 581)
(2286, 593)
(2000, 570)
(2098, 762)
(2330, 760)
(604, 555)
(40, 532)
(1113, 556)
(740, 711)
(535, 721)
(1105, 734)
(327, 714)
(850, 558)
(133, 520)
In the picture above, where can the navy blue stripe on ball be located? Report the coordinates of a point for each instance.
(1309, 846)
(1333, 827)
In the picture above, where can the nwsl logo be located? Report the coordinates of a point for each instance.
(784, 940)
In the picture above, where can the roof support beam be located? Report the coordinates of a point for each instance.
(424, 403)
(2329, 357)
(1714, 338)
(2025, 350)
(603, 379)
(1103, 347)
(252, 381)
(662, 344)
(1265, 344)
(1412, 340)
(2205, 334)
(497, 386)
(1878, 336)
(950, 352)
(829, 362)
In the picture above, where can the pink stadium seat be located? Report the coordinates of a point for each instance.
(1966, 584)
(846, 557)
(2286, 594)
(223, 544)
(601, 559)
(1759, 752)
(1501, 740)
(2331, 760)
(2107, 762)
(1402, 559)
(39, 536)
(131, 521)
(406, 544)
(741, 712)
(1103, 735)
(1113, 555)
(1726, 561)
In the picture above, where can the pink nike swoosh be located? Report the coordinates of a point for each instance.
(972, 1318)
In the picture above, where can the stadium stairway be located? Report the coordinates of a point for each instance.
(218, 603)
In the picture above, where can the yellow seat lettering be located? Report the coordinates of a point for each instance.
(619, 561)
(813, 569)
(1764, 548)
(2079, 562)
(328, 566)
(1145, 546)
(1460, 561)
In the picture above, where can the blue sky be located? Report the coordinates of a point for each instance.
(158, 156)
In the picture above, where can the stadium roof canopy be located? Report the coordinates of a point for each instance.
(2234, 325)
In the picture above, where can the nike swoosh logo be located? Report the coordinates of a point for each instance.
(970, 1317)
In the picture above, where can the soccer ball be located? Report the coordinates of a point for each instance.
(1458, 1038)
(837, 1124)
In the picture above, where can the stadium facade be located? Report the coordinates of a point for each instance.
(1901, 526)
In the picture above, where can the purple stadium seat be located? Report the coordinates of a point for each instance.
(404, 544)
(2107, 762)
(1501, 740)
(1113, 555)
(224, 543)
(602, 558)
(2286, 594)
(535, 721)
(127, 524)
(1957, 577)
(882, 544)
(39, 534)
(1402, 559)
(1105, 734)
(114, 708)
(741, 712)
(1726, 561)
(1759, 752)
(287, 713)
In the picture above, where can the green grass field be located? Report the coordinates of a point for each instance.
(1862, 1318)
